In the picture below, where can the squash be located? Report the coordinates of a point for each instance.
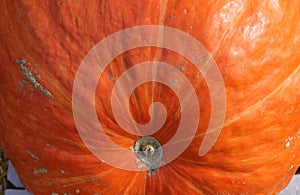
(255, 45)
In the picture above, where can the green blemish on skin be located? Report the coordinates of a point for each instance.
(33, 155)
(29, 74)
(180, 68)
(38, 171)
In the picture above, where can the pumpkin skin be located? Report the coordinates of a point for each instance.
(255, 45)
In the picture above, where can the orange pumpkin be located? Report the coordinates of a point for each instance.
(255, 44)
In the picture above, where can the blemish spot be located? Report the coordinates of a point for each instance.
(110, 77)
(133, 95)
(291, 110)
(77, 191)
(22, 84)
(287, 144)
(191, 27)
(53, 193)
(185, 12)
(48, 145)
(64, 172)
(38, 171)
(103, 161)
(173, 83)
(181, 68)
(29, 74)
(33, 155)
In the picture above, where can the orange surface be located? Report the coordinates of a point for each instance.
(255, 44)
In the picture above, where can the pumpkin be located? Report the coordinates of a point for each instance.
(255, 45)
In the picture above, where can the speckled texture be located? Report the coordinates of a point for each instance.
(256, 45)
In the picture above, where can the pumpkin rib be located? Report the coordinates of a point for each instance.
(263, 159)
(158, 51)
(227, 34)
(231, 176)
(71, 181)
(257, 104)
(42, 132)
(131, 183)
(162, 12)
(15, 30)
(216, 52)
(184, 179)
(192, 186)
(262, 100)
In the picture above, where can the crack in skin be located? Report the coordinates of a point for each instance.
(29, 74)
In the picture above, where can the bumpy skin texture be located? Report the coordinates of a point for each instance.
(256, 45)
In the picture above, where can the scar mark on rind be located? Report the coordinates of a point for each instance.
(32, 79)
(33, 155)
(38, 171)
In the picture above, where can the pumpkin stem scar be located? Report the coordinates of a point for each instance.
(29, 74)
(149, 152)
